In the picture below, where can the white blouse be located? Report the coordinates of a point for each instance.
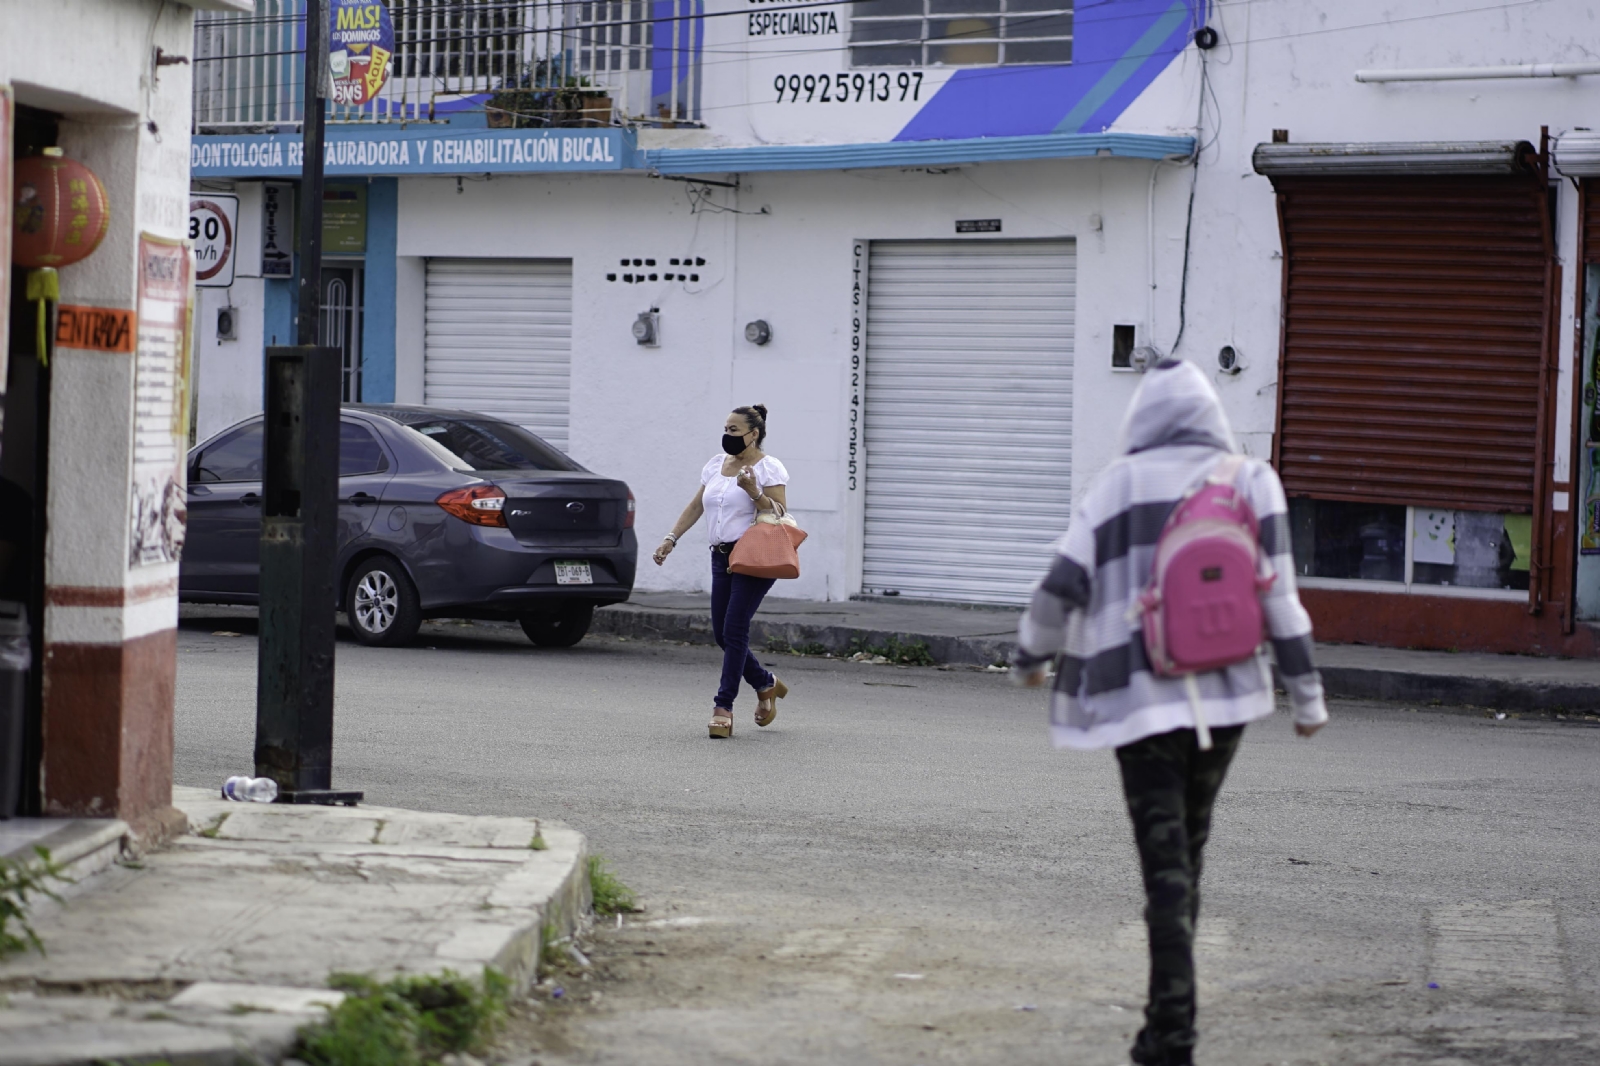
(729, 509)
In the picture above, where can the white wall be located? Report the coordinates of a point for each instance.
(228, 373)
(1291, 65)
(652, 416)
(92, 62)
(228, 383)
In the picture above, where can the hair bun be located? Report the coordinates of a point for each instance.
(760, 409)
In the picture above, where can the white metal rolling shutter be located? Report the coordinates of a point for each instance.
(499, 340)
(968, 416)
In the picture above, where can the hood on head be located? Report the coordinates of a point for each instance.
(1175, 404)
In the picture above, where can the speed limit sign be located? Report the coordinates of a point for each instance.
(213, 230)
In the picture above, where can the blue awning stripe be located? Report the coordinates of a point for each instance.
(911, 153)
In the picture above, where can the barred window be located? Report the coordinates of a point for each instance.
(459, 39)
(960, 33)
(613, 36)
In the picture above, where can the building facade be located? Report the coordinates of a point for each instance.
(95, 100)
(939, 244)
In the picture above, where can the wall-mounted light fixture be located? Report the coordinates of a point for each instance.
(647, 328)
(758, 332)
(1229, 361)
(227, 324)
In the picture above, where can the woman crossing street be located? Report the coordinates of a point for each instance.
(735, 486)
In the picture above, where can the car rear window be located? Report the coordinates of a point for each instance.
(481, 444)
(236, 457)
(359, 452)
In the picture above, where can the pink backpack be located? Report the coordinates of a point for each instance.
(1202, 607)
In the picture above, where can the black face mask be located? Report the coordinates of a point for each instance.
(733, 445)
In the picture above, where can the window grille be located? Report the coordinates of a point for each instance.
(960, 33)
(613, 36)
(249, 67)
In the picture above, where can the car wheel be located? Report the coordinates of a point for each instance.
(381, 603)
(562, 629)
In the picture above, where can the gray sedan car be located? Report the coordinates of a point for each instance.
(441, 514)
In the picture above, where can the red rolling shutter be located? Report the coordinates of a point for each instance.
(1414, 331)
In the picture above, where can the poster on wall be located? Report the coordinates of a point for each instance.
(1590, 542)
(360, 44)
(344, 220)
(161, 401)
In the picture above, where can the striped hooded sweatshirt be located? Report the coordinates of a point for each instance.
(1105, 694)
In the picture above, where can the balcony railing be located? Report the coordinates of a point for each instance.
(521, 62)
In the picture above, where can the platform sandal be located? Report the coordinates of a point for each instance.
(767, 701)
(721, 723)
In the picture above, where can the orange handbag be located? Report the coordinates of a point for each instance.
(767, 548)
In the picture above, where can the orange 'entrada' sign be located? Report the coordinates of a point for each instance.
(95, 329)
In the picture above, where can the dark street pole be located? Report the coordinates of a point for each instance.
(299, 504)
(311, 127)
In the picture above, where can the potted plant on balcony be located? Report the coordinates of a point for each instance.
(544, 97)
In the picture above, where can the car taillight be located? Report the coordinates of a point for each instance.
(627, 519)
(478, 504)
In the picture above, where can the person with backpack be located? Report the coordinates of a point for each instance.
(1174, 572)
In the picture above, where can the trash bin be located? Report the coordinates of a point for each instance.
(15, 658)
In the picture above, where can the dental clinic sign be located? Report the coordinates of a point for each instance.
(441, 150)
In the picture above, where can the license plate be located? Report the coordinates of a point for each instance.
(574, 574)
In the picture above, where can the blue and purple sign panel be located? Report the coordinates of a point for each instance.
(844, 73)
(1118, 48)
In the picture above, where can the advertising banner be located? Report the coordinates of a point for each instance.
(158, 513)
(360, 45)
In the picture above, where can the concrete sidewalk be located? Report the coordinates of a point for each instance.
(982, 636)
(218, 948)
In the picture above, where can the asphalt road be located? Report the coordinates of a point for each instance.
(900, 870)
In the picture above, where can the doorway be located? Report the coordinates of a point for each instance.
(339, 324)
(969, 350)
(24, 463)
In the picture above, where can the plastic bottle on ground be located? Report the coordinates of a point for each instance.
(244, 789)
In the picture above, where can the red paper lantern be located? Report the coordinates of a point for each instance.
(60, 213)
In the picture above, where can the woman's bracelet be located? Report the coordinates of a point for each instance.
(670, 537)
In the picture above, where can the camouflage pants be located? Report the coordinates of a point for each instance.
(1171, 785)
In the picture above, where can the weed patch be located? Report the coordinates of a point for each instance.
(779, 646)
(611, 896)
(20, 879)
(210, 832)
(906, 653)
(409, 1021)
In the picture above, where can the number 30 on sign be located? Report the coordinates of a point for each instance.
(213, 224)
